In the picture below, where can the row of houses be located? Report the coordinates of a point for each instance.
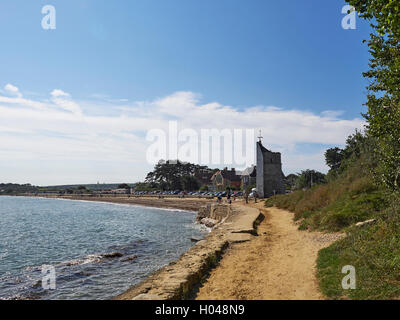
(266, 176)
(221, 179)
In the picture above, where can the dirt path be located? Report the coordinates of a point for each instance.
(278, 264)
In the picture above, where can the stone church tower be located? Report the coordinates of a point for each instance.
(270, 178)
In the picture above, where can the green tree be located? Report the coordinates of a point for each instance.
(383, 103)
(290, 181)
(143, 186)
(356, 144)
(333, 158)
(175, 175)
(309, 178)
(190, 183)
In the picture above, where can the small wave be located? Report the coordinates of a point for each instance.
(4, 254)
(126, 251)
(32, 268)
(201, 227)
(92, 258)
(89, 259)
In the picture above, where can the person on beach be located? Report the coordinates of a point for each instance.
(246, 196)
(228, 197)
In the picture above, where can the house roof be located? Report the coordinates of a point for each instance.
(228, 175)
(231, 175)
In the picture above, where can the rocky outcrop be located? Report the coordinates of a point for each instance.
(112, 255)
(213, 213)
(208, 222)
(176, 280)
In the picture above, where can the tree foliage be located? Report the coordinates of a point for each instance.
(175, 175)
(190, 183)
(11, 188)
(383, 103)
(358, 145)
(309, 178)
(290, 181)
(333, 158)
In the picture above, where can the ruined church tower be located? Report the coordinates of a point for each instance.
(270, 178)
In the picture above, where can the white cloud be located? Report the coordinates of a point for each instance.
(332, 113)
(59, 93)
(43, 131)
(12, 90)
(62, 100)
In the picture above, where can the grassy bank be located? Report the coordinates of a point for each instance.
(351, 198)
(373, 249)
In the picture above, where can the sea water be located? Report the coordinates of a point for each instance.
(98, 250)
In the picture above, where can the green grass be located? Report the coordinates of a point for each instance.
(373, 249)
(334, 206)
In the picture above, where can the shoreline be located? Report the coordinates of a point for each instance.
(188, 205)
(184, 204)
(181, 279)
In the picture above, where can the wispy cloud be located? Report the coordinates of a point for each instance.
(62, 100)
(61, 130)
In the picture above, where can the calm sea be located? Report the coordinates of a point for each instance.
(98, 250)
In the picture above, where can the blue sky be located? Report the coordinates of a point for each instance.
(115, 61)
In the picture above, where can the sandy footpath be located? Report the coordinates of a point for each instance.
(278, 264)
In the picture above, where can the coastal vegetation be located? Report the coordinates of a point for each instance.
(12, 188)
(21, 189)
(361, 196)
(352, 195)
(349, 195)
(177, 175)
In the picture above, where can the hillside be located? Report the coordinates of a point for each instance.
(373, 248)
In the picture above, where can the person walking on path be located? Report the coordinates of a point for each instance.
(228, 196)
(255, 194)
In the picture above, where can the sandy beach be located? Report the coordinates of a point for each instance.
(189, 204)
